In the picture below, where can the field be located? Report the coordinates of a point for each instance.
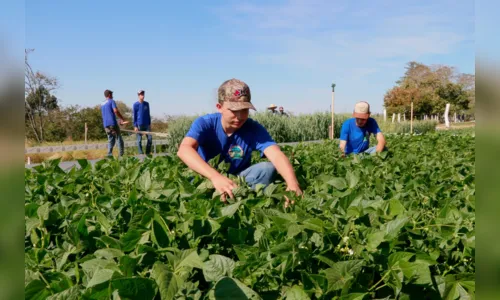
(396, 225)
(293, 129)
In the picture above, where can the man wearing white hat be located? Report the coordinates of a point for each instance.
(355, 132)
(272, 108)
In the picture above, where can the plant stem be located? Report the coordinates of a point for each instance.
(381, 279)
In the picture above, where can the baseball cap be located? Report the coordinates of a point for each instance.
(236, 94)
(140, 92)
(108, 93)
(362, 110)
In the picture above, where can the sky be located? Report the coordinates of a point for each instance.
(288, 52)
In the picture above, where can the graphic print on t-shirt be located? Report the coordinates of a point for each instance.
(236, 152)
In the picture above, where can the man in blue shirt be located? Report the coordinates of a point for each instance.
(108, 111)
(355, 132)
(234, 136)
(142, 122)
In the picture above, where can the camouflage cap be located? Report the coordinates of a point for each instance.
(236, 94)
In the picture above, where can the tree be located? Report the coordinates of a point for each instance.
(38, 99)
(429, 88)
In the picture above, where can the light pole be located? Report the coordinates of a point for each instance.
(332, 134)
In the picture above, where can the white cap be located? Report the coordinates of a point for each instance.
(140, 92)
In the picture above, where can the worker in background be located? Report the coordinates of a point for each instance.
(355, 132)
(282, 112)
(142, 121)
(109, 111)
(272, 109)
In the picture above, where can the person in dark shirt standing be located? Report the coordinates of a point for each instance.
(142, 122)
(108, 110)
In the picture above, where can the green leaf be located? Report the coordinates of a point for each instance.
(105, 225)
(418, 272)
(232, 289)
(326, 260)
(352, 179)
(341, 273)
(393, 227)
(217, 267)
(230, 210)
(100, 276)
(461, 286)
(167, 281)
(134, 288)
(144, 181)
(374, 239)
(294, 229)
(190, 258)
(354, 296)
(237, 236)
(314, 224)
(36, 290)
(108, 253)
(130, 239)
(395, 207)
(296, 293)
(73, 293)
(160, 232)
(338, 183)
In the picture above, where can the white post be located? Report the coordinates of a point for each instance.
(86, 130)
(411, 118)
(455, 117)
(385, 115)
(404, 117)
(399, 118)
(29, 160)
(393, 117)
(446, 113)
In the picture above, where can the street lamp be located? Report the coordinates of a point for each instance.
(332, 134)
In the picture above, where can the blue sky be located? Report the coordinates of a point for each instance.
(289, 52)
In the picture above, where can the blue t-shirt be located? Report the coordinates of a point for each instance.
(142, 116)
(358, 138)
(108, 115)
(236, 149)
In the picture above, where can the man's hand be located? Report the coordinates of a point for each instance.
(294, 188)
(224, 186)
(123, 122)
(136, 129)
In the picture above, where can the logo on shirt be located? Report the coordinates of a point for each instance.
(236, 152)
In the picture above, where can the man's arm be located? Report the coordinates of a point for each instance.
(188, 153)
(342, 146)
(344, 135)
(135, 116)
(380, 142)
(117, 112)
(283, 166)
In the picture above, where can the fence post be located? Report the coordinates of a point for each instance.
(333, 121)
(393, 117)
(86, 130)
(399, 117)
(411, 118)
(385, 115)
(446, 113)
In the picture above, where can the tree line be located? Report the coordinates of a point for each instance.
(430, 88)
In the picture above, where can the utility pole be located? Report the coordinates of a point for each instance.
(332, 134)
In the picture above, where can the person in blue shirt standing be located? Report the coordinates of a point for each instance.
(355, 132)
(108, 111)
(142, 121)
(233, 135)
